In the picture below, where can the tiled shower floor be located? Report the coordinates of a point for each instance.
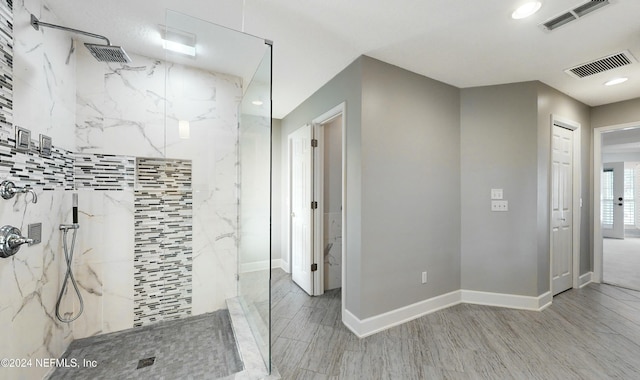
(200, 347)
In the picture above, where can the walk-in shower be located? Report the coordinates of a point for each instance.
(170, 157)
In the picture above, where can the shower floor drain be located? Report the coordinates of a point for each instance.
(146, 362)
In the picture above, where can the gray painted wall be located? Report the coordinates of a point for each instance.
(616, 113)
(509, 252)
(422, 157)
(344, 87)
(498, 134)
(410, 188)
(333, 166)
(403, 187)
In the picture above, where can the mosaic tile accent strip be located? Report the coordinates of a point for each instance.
(30, 168)
(163, 248)
(157, 173)
(104, 172)
(6, 66)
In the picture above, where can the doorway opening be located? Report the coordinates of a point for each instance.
(616, 188)
(317, 184)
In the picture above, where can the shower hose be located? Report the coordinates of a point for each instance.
(68, 256)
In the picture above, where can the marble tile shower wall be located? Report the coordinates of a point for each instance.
(44, 101)
(121, 110)
(333, 250)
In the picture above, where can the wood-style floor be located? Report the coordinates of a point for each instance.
(589, 333)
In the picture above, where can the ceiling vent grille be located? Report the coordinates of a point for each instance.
(607, 63)
(574, 14)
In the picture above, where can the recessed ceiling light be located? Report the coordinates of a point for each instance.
(257, 102)
(526, 10)
(615, 81)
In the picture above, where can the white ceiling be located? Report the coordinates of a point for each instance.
(460, 42)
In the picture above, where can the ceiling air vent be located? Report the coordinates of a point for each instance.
(609, 62)
(574, 14)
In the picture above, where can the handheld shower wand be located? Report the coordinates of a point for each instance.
(68, 256)
(74, 206)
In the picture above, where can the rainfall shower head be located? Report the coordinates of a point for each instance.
(103, 53)
(108, 53)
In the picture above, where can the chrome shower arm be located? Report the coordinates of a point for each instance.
(37, 23)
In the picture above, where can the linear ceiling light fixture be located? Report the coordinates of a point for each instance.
(178, 41)
(615, 81)
(526, 10)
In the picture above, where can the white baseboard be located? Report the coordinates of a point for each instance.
(284, 265)
(585, 279)
(510, 301)
(545, 301)
(372, 325)
(260, 265)
(369, 326)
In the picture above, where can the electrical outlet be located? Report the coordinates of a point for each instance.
(424, 277)
(497, 193)
(500, 206)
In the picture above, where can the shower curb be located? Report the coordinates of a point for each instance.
(253, 363)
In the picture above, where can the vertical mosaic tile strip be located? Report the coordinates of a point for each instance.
(163, 253)
(6, 66)
(104, 172)
(30, 168)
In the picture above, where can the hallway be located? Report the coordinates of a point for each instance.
(621, 262)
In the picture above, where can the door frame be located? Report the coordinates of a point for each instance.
(595, 190)
(575, 127)
(339, 110)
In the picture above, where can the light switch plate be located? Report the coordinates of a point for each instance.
(500, 206)
(497, 193)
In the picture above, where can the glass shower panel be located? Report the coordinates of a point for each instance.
(254, 214)
(217, 143)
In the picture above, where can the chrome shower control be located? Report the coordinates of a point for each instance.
(8, 189)
(10, 241)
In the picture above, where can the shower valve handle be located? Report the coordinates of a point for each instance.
(8, 189)
(10, 241)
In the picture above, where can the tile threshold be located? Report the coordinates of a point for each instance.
(253, 363)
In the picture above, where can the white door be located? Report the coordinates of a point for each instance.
(612, 197)
(300, 195)
(561, 209)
